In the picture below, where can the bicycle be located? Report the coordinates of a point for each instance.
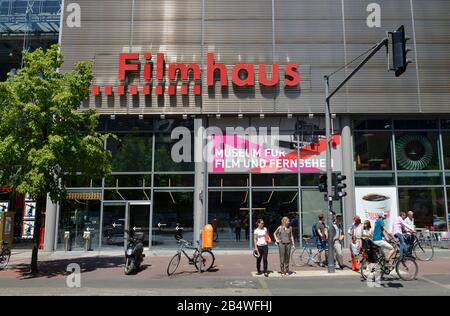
(421, 248)
(5, 254)
(202, 259)
(302, 256)
(374, 264)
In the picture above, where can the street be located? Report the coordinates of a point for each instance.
(233, 275)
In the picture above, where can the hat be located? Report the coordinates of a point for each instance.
(255, 254)
(381, 215)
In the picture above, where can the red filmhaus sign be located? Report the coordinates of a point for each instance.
(243, 75)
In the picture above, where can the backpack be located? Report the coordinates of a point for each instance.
(314, 231)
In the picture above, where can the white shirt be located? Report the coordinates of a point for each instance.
(260, 236)
(410, 223)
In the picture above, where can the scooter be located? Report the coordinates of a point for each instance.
(134, 255)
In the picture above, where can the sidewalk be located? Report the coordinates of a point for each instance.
(228, 263)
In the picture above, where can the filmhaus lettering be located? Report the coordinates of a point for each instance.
(153, 73)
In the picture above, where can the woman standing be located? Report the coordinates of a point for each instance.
(367, 231)
(261, 240)
(285, 240)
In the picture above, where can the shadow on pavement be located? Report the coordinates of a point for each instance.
(55, 268)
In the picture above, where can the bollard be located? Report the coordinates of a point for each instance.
(66, 240)
(87, 240)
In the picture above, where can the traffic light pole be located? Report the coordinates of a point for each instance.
(329, 95)
(329, 178)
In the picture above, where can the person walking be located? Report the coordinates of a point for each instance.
(285, 239)
(261, 242)
(237, 229)
(338, 236)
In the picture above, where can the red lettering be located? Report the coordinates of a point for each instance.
(292, 76)
(124, 67)
(250, 75)
(212, 67)
(275, 75)
(160, 65)
(148, 67)
(184, 71)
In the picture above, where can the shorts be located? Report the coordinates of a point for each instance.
(322, 245)
(383, 244)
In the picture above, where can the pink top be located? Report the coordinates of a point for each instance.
(398, 225)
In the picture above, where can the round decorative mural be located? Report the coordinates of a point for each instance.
(414, 151)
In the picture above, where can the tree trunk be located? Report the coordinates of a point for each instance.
(40, 205)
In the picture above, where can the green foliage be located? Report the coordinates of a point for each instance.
(43, 132)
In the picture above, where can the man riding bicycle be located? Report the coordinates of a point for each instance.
(399, 227)
(378, 233)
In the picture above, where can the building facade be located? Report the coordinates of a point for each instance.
(165, 71)
(24, 25)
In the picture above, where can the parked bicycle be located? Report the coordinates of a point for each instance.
(373, 263)
(202, 259)
(5, 254)
(308, 254)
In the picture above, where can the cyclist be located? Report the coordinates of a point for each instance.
(378, 233)
(399, 227)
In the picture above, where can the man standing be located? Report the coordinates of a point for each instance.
(322, 238)
(338, 235)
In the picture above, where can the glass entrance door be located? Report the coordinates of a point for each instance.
(138, 218)
(114, 223)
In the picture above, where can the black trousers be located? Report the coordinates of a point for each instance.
(263, 252)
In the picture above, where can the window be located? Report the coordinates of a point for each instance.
(374, 178)
(228, 180)
(415, 124)
(372, 151)
(163, 155)
(417, 150)
(364, 124)
(131, 153)
(446, 146)
(427, 204)
(271, 179)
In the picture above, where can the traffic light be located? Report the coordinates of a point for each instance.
(323, 183)
(339, 186)
(399, 51)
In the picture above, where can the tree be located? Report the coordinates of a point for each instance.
(43, 133)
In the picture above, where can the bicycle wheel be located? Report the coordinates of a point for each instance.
(4, 258)
(173, 264)
(424, 250)
(300, 257)
(407, 269)
(204, 260)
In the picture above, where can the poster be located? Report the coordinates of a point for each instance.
(4, 207)
(29, 212)
(372, 200)
(28, 229)
(237, 153)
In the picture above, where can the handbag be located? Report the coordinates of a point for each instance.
(267, 237)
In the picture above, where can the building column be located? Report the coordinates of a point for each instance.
(50, 225)
(199, 190)
(347, 169)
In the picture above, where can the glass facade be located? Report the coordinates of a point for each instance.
(417, 151)
(26, 25)
(144, 171)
